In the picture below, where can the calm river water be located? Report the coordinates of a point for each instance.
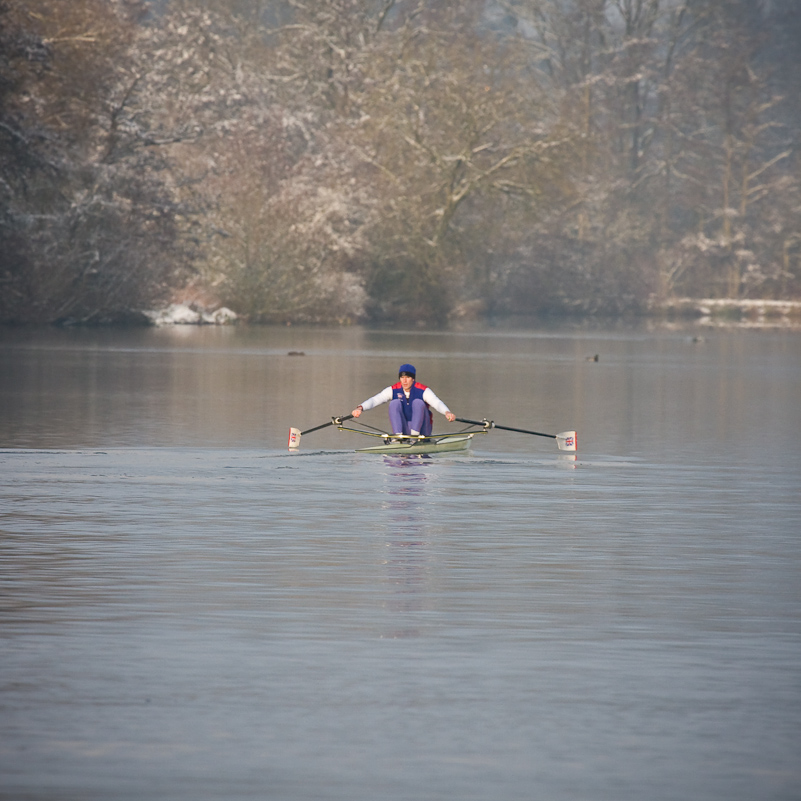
(190, 612)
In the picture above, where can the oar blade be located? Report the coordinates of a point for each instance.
(294, 438)
(567, 441)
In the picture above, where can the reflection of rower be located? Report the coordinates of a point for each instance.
(409, 404)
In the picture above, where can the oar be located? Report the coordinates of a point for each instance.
(295, 433)
(566, 441)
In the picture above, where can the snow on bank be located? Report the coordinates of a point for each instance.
(181, 314)
(735, 312)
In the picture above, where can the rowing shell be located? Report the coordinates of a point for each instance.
(415, 445)
(441, 443)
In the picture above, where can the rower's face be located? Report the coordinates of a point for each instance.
(406, 382)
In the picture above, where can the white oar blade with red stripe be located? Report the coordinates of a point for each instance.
(294, 438)
(567, 441)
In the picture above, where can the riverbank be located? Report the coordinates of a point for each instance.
(191, 314)
(709, 312)
(731, 312)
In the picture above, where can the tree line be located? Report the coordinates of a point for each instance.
(396, 160)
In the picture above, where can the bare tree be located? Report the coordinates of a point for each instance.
(392, 158)
(92, 231)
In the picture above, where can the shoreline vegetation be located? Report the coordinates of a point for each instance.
(720, 313)
(704, 312)
(399, 164)
(723, 312)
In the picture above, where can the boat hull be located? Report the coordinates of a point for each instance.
(429, 445)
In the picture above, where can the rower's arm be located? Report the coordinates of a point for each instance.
(432, 400)
(385, 396)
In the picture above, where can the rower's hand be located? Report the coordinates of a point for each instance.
(450, 417)
(357, 411)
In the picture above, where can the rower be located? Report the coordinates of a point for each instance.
(410, 404)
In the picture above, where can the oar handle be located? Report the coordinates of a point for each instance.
(335, 421)
(484, 423)
(491, 424)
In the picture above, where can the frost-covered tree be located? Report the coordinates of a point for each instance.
(732, 166)
(88, 229)
(429, 116)
(686, 160)
(338, 159)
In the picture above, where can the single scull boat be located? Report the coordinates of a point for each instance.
(434, 443)
(441, 443)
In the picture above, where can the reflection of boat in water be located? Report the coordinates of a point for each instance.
(442, 443)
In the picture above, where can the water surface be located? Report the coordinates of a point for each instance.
(188, 611)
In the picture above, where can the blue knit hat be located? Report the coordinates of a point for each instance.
(407, 368)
